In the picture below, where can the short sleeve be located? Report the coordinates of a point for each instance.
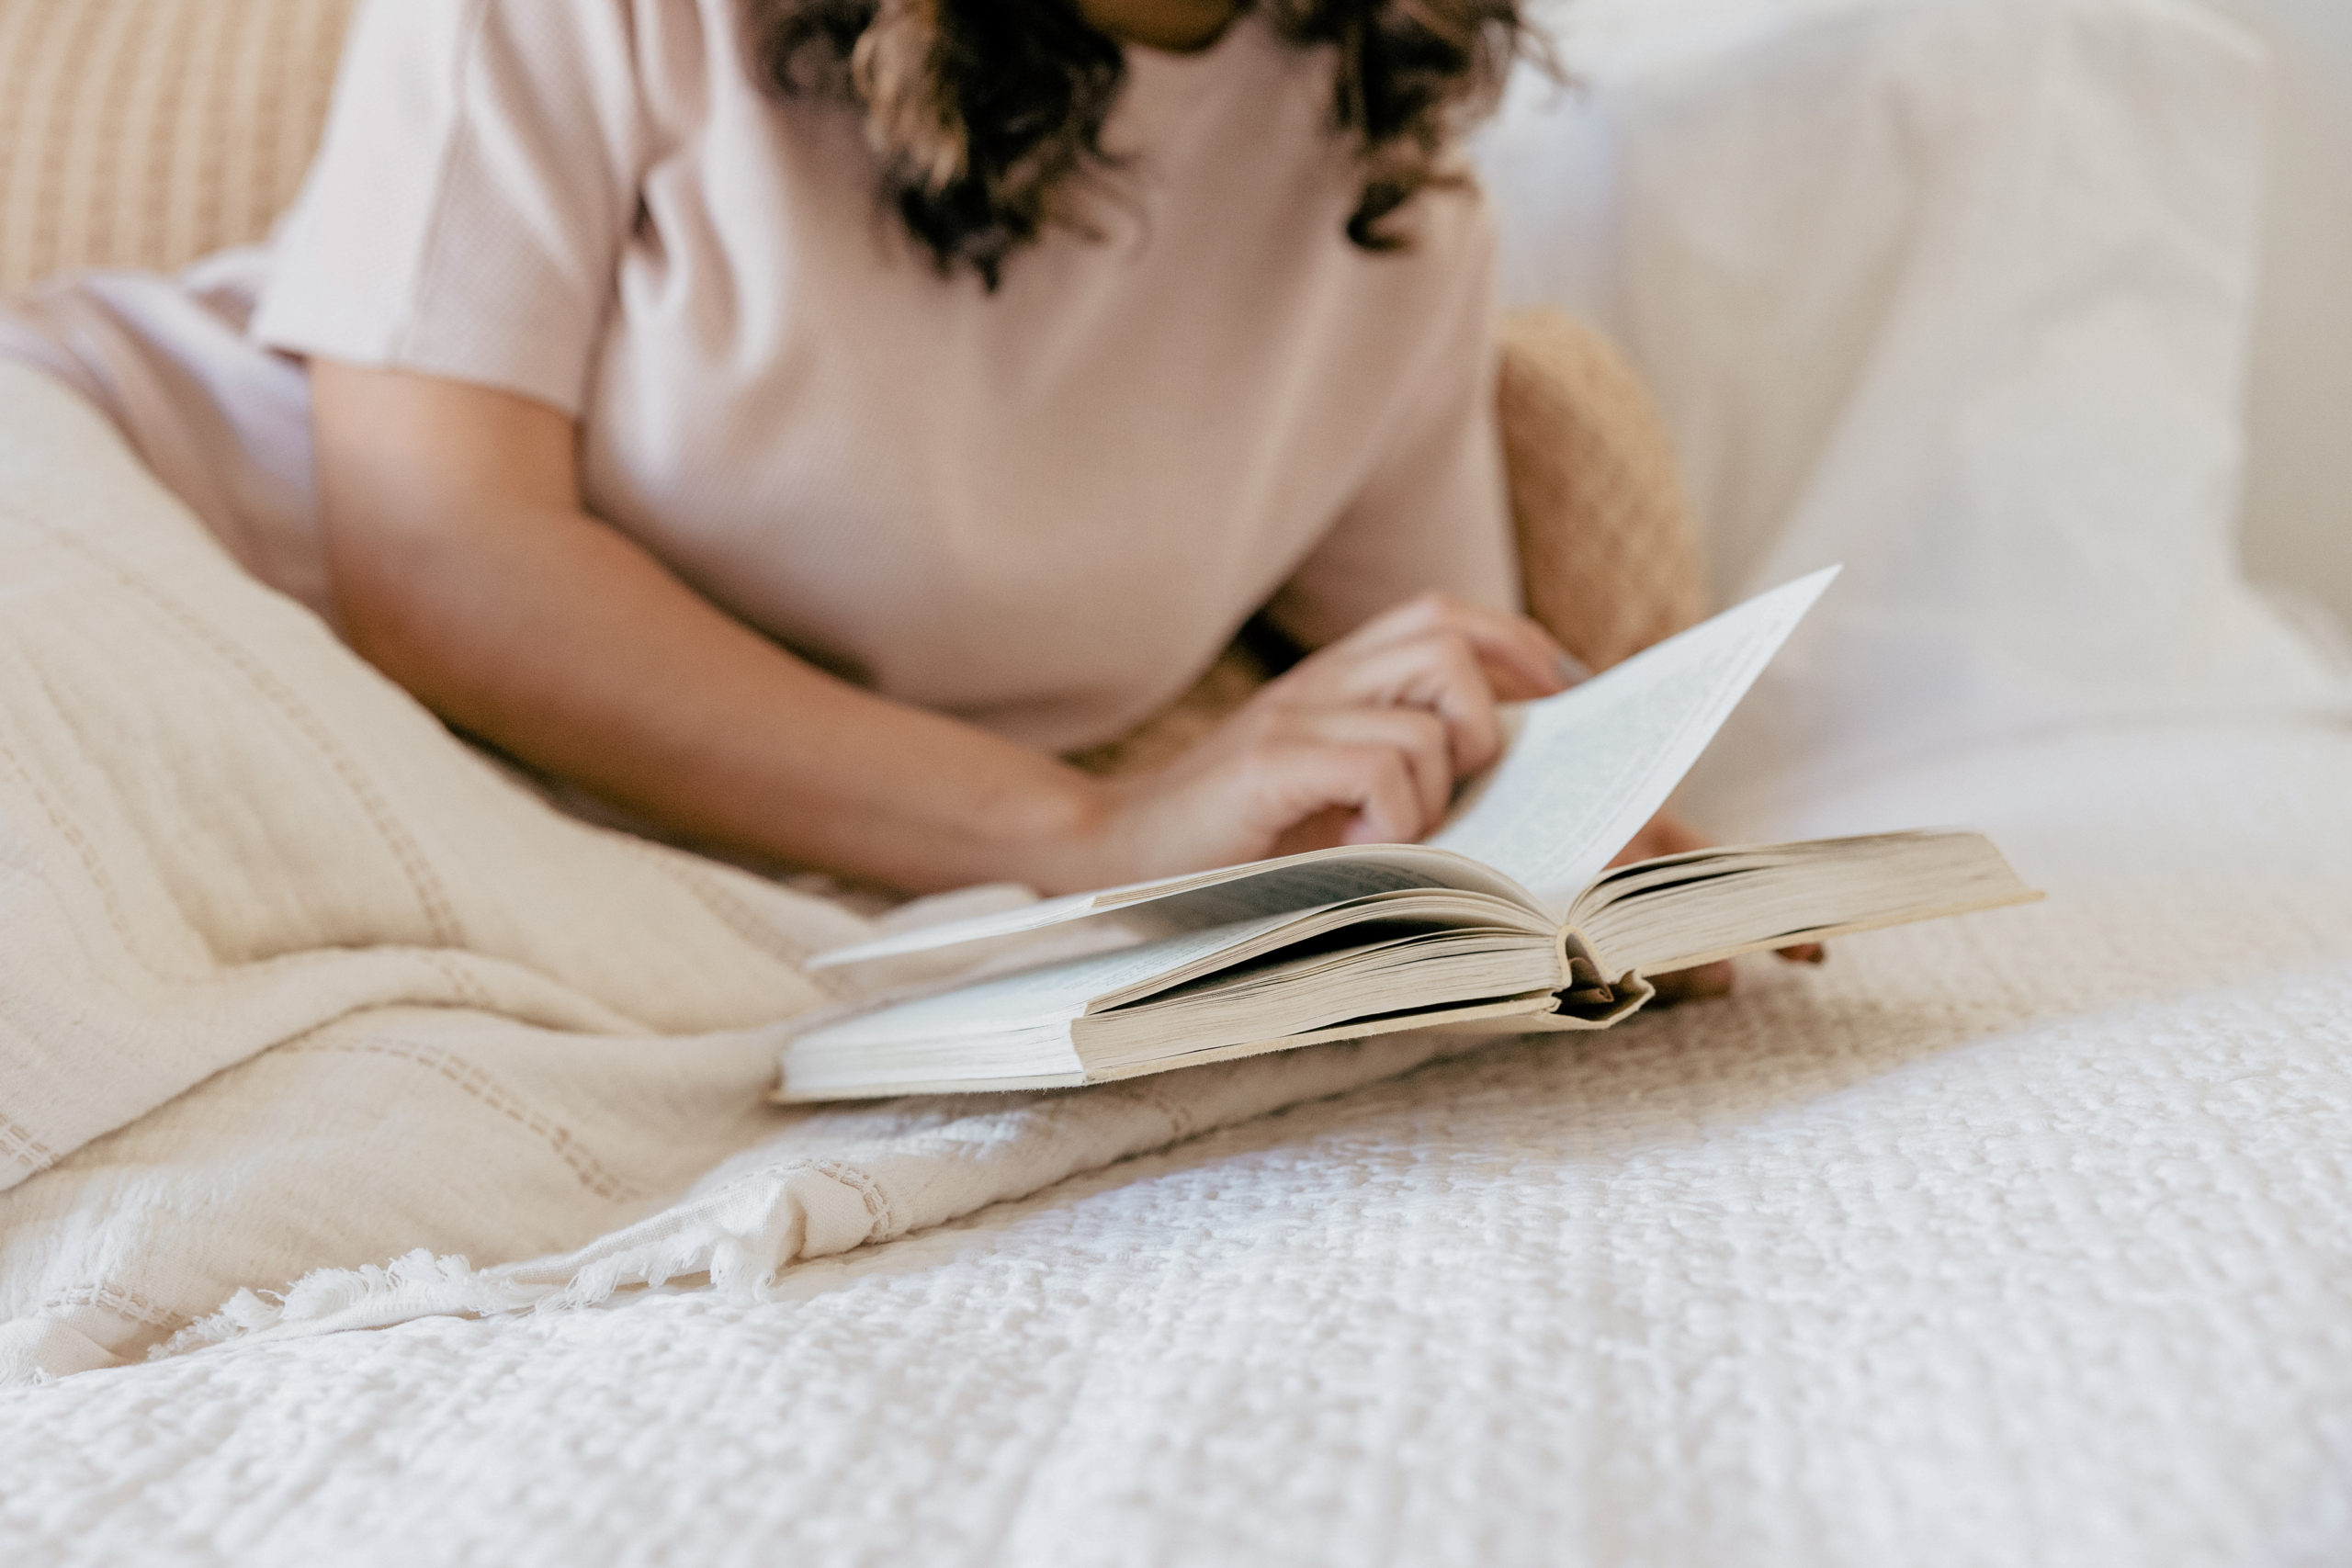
(1434, 513)
(477, 181)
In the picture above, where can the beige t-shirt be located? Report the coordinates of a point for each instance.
(1044, 510)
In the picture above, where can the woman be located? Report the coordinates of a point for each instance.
(800, 421)
(657, 451)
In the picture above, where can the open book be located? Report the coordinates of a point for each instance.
(1505, 921)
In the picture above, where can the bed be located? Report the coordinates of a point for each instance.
(2023, 1237)
(2019, 1240)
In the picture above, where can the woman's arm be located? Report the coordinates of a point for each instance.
(465, 567)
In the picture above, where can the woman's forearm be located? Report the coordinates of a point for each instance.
(477, 586)
(465, 567)
(562, 642)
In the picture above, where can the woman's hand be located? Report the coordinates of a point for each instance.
(1361, 743)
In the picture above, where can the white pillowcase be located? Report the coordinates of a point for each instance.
(1954, 291)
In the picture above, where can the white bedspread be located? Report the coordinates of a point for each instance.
(2021, 1239)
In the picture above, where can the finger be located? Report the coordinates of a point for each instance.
(1673, 836)
(1512, 684)
(1806, 952)
(1707, 981)
(1421, 740)
(1358, 760)
(1664, 834)
(1327, 829)
(1391, 812)
(1438, 673)
(1378, 783)
(1524, 658)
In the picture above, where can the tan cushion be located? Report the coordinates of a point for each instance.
(147, 132)
(1606, 546)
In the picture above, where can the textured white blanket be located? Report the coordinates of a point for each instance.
(2023, 1238)
(292, 982)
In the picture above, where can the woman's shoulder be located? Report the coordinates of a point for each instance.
(482, 169)
(493, 58)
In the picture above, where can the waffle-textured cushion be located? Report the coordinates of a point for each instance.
(1606, 546)
(146, 133)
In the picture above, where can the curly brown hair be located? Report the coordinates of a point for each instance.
(983, 112)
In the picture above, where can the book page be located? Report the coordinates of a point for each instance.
(1111, 978)
(1593, 764)
(1055, 993)
(1211, 898)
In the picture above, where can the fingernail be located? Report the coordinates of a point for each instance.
(1574, 671)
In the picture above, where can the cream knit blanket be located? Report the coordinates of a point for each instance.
(292, 980)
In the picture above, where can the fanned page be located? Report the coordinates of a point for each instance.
(1588, 768)
(1054, 994)
(1212, 899)
(1591, 765)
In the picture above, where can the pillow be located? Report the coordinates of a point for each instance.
(146, 133)
(1956, 292)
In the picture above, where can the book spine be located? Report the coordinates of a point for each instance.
(1590, 995)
